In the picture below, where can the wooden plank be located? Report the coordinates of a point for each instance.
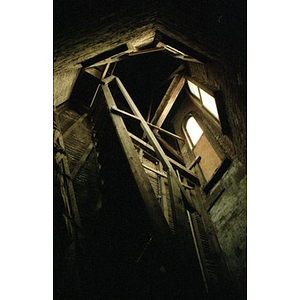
(169, 148)
(124, 113)
(82, 160)
(159, 36)
(155, 171)
(163, 191)
(67, 182)
(168, 100)
(166, 131)
(151, 205)
(145, 51)
(184, 171)
(94, 72)
(74, 125)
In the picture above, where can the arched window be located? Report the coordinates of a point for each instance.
(193, 130)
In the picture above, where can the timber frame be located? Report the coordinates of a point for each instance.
(183, 183)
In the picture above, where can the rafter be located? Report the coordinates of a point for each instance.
(168, 100)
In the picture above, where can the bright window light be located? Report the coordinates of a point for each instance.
(209, 102)
(194, 130)
(194, 89)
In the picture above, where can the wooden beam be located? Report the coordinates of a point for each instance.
(82, 160)
(74, 125)
(184, 171)
(145, 51)
(152, 206)
(94, 72)
(66, 182)
(168, 100)
(152, 139)
(161, 37)
(173, 135)
(169, 148)
(212, 199)
(155, 171)
(126, 114)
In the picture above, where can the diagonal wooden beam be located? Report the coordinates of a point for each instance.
(74, 125)
(152, 139)
(168, 100)
(169, 148)
(82, 160)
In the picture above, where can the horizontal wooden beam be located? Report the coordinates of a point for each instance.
(166, 132)
(145, 51)
(184, 171)
(126, 114)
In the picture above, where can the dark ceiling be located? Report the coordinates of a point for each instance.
(146, 78)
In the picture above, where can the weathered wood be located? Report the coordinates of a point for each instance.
(152, 206)
(105, 71)
(169, 148)
(184, 171)
(166, 131)
(82, 160)
(74, 125)
(94, 72)
(195, 161)
(155, 171)
(198, 203)
(145, 51)
(164, 200)
(168, 100)
(71, 199)
(181, 47)
(124, 113)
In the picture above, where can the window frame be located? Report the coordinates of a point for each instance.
(200, 104)
(185, 130)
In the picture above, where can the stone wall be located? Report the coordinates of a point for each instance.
(229, 217)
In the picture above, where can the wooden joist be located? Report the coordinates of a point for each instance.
(165, 176)
(169, 148)
(126, 114)
(183, 170)
(168, 100)
(173, 135)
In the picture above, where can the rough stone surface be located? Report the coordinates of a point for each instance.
(229, 217)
